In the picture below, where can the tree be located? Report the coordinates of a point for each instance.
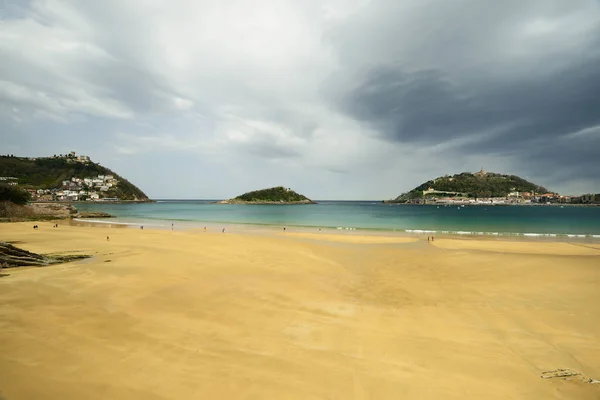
(14, 195)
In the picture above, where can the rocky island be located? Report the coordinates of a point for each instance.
(276, 195)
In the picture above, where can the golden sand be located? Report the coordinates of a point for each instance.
(194, 315)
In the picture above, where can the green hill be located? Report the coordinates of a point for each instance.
(48, 173)
(478, 185)
(275, 195)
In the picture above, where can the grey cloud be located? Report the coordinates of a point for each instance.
(480, 100)
(426, 107)
(142, 90)
(452, 82)
(269, 150)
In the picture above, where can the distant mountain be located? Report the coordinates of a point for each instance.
(275, 195)
(478, 185)
(49, 173)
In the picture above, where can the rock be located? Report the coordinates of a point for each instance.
(53, 209)
(558, 373)
(35, 211)
(13, 211)
(90, 214)
(11, 256)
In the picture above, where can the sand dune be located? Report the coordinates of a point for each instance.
(190, 315)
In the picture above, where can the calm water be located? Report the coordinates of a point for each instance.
(501, 220)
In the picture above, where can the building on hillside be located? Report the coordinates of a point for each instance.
(481, 172)
(9, 180)
(83, 159)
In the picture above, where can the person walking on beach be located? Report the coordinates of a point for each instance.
(432, 238)
(428, 238)
(107, 239)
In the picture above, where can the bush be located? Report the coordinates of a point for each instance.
(14, 194)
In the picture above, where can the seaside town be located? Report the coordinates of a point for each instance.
(76, 189)
(431, 196)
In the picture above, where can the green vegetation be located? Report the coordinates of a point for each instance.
(276, 194)
(480, 185)
(14, 194)
(50, 172)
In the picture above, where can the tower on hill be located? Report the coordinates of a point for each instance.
(481, 172)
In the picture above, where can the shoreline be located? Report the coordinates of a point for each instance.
(269, 228)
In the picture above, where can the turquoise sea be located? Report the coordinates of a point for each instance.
(567, 221)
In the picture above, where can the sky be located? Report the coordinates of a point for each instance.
(336, 99)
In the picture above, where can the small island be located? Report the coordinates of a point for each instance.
(276, 196)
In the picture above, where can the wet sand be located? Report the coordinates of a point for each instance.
(159, 314)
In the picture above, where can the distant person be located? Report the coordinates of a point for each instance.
(432, 238)
(171, 226)
(284, 228)
(107, 239)
(428, 238)
(223, 230)
(142, 227)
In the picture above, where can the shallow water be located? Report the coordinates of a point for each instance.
(529, 221)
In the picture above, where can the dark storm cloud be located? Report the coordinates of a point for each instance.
(425, 107)
(473, 78)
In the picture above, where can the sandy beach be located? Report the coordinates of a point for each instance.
(160, 314)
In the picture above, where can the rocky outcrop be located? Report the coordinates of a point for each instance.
(35, 211)
(53, 210)
(11, 256)
(12, 211)
(90, 214)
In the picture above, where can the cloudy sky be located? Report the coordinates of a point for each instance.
(338, 99)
